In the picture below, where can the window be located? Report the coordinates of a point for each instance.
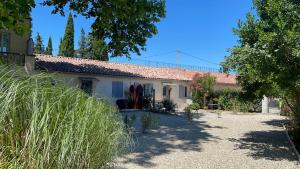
(117, 89)
(148, 89)
(4, 42)
(165, 91)
(87, 86)
(182, 91)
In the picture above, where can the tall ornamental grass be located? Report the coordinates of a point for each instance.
(45, 124)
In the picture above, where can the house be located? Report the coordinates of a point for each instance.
(17, 49)
(113, 80)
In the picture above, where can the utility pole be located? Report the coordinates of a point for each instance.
(178, 61)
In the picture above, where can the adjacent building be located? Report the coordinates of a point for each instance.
(17, 49)
(111, 81)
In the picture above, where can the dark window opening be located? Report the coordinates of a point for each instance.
(165, 91)
(87, 86)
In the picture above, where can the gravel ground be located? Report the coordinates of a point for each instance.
(251, 141)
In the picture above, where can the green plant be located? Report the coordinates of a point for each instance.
(169, 105)
(203, 83)
(129, 122)
(46, 124)
(194, 106)
(266, 58)
(148, 121)
(188, 112)
(147, 102)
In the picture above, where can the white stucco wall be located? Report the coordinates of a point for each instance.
(102, 87)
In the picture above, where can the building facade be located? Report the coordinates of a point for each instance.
(112, 81)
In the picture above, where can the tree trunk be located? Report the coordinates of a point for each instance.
(204, 101)
(297, 109)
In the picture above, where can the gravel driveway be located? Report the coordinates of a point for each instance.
(252, 141)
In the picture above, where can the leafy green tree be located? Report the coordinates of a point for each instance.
(82, 51)
(60, 46)
(49, 48)
(125, 25)
(14, 14)
(67, 46)
(202, 86)
(267, 58)
(97, 49)
(38, 45)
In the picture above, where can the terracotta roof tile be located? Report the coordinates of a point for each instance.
(76, 65)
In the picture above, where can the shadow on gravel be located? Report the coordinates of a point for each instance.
(175, 134)
(270, 145)
(276, 123)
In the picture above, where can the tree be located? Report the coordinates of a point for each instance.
(267, 58)
(60, 47)
(202, 85)
(38, 46)
(97, 49)
(125, 25)
(82, 51)
(49, 47)
(67, 46)
(14, 14)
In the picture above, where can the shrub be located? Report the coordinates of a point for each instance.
(147, 102)
(46, 124)
(188, 113)
(169, 105)
(194, 106)
(129, 122)
(148, 121)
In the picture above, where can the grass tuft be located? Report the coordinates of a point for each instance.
(44, 124)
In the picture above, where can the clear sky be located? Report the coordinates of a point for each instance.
(200, 28)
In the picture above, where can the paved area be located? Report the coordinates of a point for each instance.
(253, 141)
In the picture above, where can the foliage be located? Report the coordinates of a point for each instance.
(195, 106)
(148, 121)
(148, 102)
(267, 57)
(96, 49)
(46, 124)
(38, 46)
(121, 27)
(49, 48)
(168, 105)
(188, 112)
(197, 97)
(232, 100)
(82, 51)
(60, 47)
(129, 122)
(202, 86)
(226, 98)
(14, 14)
(67, 46)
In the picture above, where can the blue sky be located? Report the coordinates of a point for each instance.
(201, 28)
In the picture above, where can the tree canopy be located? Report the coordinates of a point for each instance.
(67, 45)
(38, 45)
(267, 58)
(203, 83)
(82, 43)
(121, 26)
(49, 48)
(14, 14)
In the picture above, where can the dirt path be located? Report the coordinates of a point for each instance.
(230, 142)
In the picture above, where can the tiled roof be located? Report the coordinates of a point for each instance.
(76, 65)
